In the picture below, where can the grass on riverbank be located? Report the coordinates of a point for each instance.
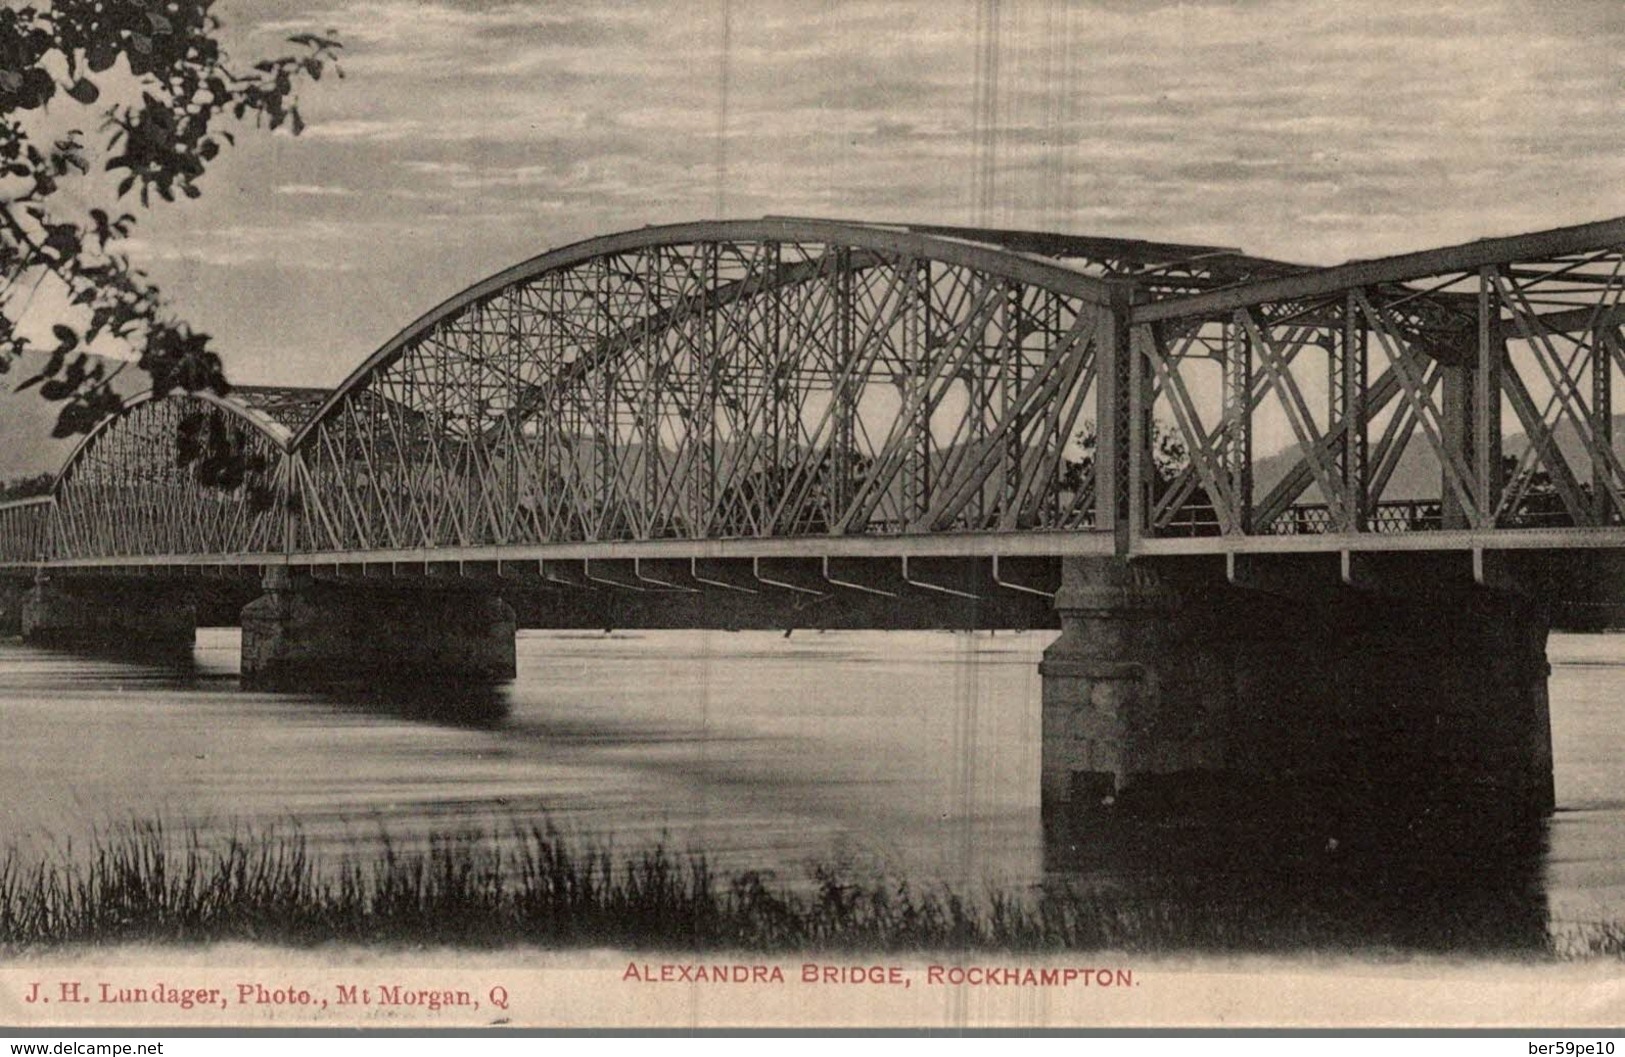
(530, 886)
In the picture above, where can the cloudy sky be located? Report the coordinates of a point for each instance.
(470, 134)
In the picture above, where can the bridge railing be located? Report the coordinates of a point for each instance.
(1389, 516)
(1409, 515)
(1315, 519)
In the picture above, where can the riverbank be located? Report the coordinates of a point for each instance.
(527, 885)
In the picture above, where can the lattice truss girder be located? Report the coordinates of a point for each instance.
(1505, 372)
(785, 386)
(717, 389)
(124, 494)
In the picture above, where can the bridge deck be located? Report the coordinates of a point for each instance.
(945, 546)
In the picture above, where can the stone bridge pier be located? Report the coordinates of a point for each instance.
(307, 632)
(1165, 687)
(14, 591)
(109, 613)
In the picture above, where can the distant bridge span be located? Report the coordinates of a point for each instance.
(707, 397)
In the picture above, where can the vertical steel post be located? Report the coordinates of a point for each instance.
(843, 384)
(1112, 419)
(1356, 430)
(917, 387)
(1456, 431)
(1237, 365)
(1011, 375)
(1602, 420)
(1139, 468)
(1492, 352)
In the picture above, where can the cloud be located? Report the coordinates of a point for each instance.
(313, 191)
(437, 168)
(472, 133)
(366, 129)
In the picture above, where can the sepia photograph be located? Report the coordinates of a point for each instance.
(774, 514)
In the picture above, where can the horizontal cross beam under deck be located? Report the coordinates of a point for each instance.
(931, 545)
(1555, 539)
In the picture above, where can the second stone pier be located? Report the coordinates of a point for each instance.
(1128, 696)
(302, 632)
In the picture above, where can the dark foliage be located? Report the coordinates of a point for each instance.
(81, 54)
(26, 487)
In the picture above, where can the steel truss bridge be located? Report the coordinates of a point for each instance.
(799, 388)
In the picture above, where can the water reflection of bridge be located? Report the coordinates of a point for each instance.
(807, 420)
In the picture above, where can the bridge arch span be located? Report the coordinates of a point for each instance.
(122, 492)
(763, 378)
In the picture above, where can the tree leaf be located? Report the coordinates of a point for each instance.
(102, 52)
(84, 91)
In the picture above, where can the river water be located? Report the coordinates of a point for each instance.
(887, 754)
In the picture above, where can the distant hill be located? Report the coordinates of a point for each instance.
(1418, 473)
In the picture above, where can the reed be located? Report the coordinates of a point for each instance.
(529, 885)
